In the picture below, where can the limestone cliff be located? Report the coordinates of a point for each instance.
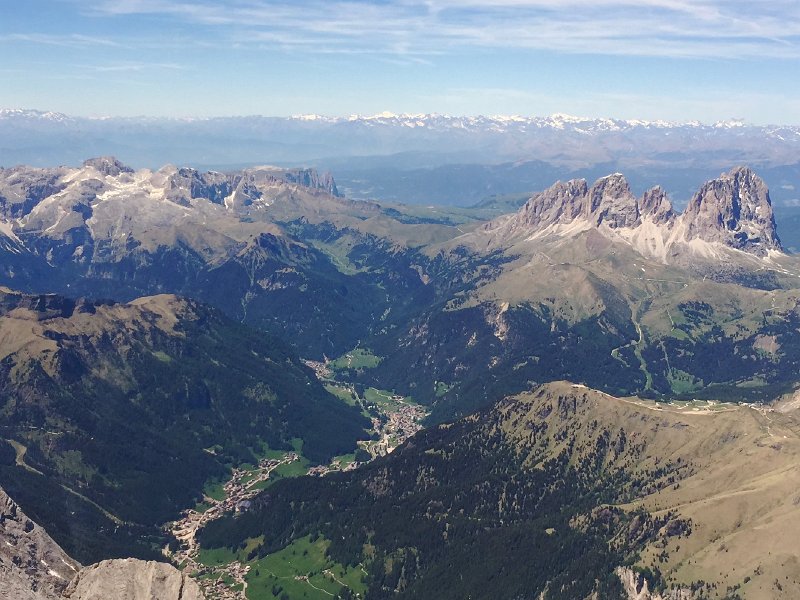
(132, 579)
(32, 565)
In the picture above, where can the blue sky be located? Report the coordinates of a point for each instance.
(655, 59)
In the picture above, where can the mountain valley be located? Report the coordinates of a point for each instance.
(189, 391)
(691, 494)
(599, 373)
(400, 300)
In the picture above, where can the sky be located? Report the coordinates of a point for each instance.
(676, 60)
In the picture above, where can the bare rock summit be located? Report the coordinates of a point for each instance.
(132, 579)
(32, 565)
(734, 209)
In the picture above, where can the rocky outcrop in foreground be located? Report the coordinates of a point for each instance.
(132, 579)
(32, 565)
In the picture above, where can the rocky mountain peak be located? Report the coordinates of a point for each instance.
(563, 202)
(108, 165)
(609, 201)
(311, 178)
(734, 209)
(655, 205)
(613, 203)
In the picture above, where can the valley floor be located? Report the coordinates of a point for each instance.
(225, 576)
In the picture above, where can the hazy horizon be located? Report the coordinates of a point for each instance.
(732, 121)
(673, 60)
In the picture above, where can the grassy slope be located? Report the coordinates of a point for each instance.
(117, 405)
(739, 491)
(718, 481)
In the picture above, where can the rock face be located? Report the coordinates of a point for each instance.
(636, 588)
(32, 565)
(184, 184)
(22, 188)
(609, 202)
(311, 178)
(734, 209)
(107, 165)
(561, 203)
(656, 206)
(105, 212)
(132, 579)
(613, 203)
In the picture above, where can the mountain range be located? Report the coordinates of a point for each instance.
(425, 158)
(433, 291)
(115, 416)
(590, 283)
(600, 369)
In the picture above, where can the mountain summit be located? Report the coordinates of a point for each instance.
(732, 211)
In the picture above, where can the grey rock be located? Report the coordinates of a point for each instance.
(32, 565)
(22, 188)
(656, 205)
(608, 201)
(734, 209)
(311, 178)
(561, 203)
(132, 579)
(613, 203)
(107, 165)
(104, 213)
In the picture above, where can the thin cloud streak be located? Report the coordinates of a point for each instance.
(71, 40)
(651, 28)
(135, 67)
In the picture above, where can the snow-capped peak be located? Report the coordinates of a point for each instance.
(30, 114)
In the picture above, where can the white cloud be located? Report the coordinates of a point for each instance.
(135, 67)
(671, 28)
(57, 40)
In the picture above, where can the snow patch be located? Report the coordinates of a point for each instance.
(7, 230)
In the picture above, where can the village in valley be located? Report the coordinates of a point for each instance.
(393, 418)
(225, 582)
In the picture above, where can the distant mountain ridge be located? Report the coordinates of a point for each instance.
(46, 138)
(432, 120)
